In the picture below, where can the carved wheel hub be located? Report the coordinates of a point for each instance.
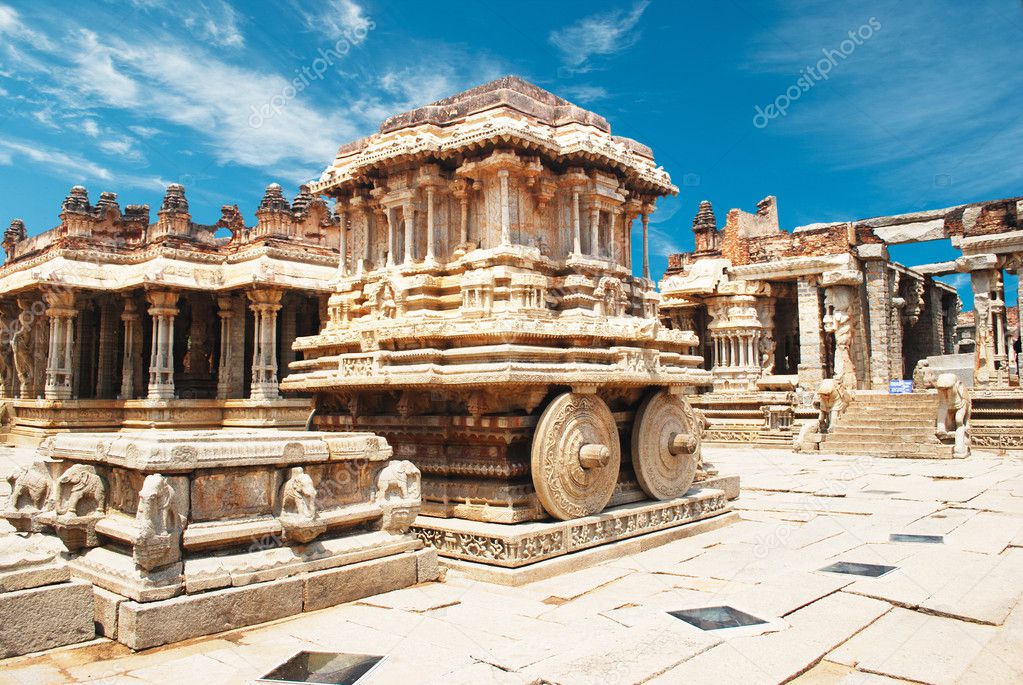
(575, 456)
(665, 445)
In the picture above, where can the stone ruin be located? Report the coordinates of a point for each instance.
(174, 534)
(803, 331)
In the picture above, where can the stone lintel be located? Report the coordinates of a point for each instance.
(976, 262)
(841, 277)
(872, 251)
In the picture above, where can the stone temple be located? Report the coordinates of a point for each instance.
(486, 381)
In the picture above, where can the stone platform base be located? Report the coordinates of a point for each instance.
(44, 617)
(589, 557)
(521, 553)
(141, 625)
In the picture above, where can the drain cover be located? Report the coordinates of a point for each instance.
(909, 537)
(716, 618)
(854, 569)
(332, 668)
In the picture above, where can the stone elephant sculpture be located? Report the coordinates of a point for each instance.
(80, 484)
(835, 399)
(954, 409)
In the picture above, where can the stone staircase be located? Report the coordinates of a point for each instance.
(883, 425)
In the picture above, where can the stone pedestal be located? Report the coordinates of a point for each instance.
(41, 606)
(185, 533)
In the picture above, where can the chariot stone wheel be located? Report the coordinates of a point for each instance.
(575, 456)
(665, 445)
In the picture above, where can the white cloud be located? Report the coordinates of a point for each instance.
(338, 19)
(12, 26)
(242, 113)
(145, 131)
(54, 160)
(123, 147)
(584, 93)
(597, 34)
(215, 21)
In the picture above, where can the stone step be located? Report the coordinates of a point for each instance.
(940, 452)
(880, 440)
(900, 423)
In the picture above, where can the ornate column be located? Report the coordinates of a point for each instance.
(577, 243)
(841, 320)
(265, 304)
(430, 238)
(502, 177)
(226, 371)
(984, 280)
(460, 189)
(595, 229)
(60, 370)
(408, 212)
(107, 349)
(162, 309)
(645, 216)
(389, 214)
(131, 359)
(342, 267)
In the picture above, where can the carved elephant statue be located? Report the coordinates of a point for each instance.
(79, 484)
(835, 399)
(954, 408)
(298, 495)
(32, 481)
(399, 494)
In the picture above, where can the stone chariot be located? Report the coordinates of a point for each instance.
(486, 319)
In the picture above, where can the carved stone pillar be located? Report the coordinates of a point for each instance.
(811, 340)
(264, 305)
(984, 279)
(131, 359)
(577, 244)
(389, 213)
(8, 321)
(342, 267)
(430, 237)
(645, 217)
(408, 213)
(107, 349)
(842, 319)
(230, 356)
(595, 230)
(60, 369)
(879, 305)
(502, 176)
(162, 309)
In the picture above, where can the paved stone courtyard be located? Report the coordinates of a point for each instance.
(948, 612)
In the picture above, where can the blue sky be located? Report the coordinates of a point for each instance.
(921, 110)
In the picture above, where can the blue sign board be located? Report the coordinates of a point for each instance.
(900, 387)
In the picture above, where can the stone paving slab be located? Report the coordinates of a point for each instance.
(914, 646)
(950, 613)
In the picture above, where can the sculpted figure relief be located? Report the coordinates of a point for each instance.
(21, 345)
